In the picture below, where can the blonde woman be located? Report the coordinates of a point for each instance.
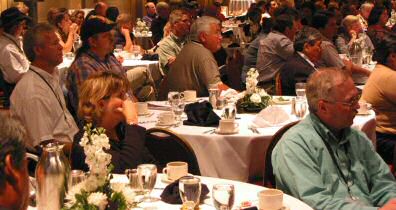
(104, 102)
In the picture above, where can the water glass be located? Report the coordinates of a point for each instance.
(77, 176)
(230, 111)
(223, 196)
(133, 178)
(300, 90)
(136, 51)
(171, 96)
(118, 50)
(177, 105)
(147, 176)
(190, 191)
(301, 108)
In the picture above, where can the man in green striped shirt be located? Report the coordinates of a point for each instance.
(326, 163)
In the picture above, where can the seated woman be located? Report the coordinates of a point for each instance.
(352, 32)
(78, 17)
(123, 32)
(67, 31)
(377, 28)
(104, 103)
(380, 92)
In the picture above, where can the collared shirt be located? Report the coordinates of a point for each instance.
(273, 52)
(169, 46)
(13, 62)
(306, 59)
(304, 168)
(86, 64)
(43, 114)
(329, 56)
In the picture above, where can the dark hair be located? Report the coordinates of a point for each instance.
(321, 19)
(284, 10)
(375, 15)
(58, 17)
(53, 12)
(266, 25)
(112, 13)
(12, 135)
(385, 48)
(33, 37)
(303, 38)
(282, 22)
(254, 15)
(268, 5)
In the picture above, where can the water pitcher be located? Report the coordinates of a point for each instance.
(52, 175)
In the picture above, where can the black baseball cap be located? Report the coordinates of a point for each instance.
(12, 16)
(94, 26)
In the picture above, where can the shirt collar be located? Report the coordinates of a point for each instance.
(46, 75)
(325, 132)
(306, 59)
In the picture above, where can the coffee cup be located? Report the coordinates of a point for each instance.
(190, 95)
(364, 107)
(142, 108)
(270, 199)
(228, 126)
(175, 170)
(166, 118)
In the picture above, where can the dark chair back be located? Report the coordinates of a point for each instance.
(167, 146)
(269, 177)
(5, 91)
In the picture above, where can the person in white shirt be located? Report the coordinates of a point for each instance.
(37, 100)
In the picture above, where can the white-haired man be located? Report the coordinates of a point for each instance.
(195, 68)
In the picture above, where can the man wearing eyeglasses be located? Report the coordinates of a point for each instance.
(326, 163)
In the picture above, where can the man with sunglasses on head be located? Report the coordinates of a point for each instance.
(326, 163)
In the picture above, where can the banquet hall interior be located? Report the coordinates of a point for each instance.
(197, 104)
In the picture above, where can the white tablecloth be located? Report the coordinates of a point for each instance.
(239, 7)
(243, 192)
(242, 155)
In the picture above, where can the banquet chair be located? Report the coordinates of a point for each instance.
(269, 177)
(167, 146)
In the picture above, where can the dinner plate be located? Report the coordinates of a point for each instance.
(217, 131)
(283, 100)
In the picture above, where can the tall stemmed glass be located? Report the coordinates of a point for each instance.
(190, 191)
(223, 196)
(147, 174)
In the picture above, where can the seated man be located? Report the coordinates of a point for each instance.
(159, 22)
(195, 67)
(151, 13)
(301, 64)
(326, 163)
(37, 100)
(14, 178)
(170, 46)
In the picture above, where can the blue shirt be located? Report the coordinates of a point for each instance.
(304, 168)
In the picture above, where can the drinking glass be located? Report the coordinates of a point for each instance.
(77, 176)
(136, 51)
(178, 104)
(223, 196)
(190, 191)
(301, 108)
(229, 111)
(133, 178)
(170, 97)
(118, 49)
(147, 176)
(300, 90)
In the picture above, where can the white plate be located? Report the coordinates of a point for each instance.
(165, 179)
(217, 131)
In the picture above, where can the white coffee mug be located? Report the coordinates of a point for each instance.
(142, 108)
(175, 170)
(270, 199)
(228, 126)
(364, 107)
(166, 118)
(190, 95)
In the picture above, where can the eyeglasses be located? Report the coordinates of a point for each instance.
(351, 103)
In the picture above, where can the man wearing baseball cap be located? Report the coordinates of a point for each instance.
(13, 62)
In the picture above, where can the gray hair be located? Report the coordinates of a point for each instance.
(366, 5)
(176, 15)
(162, 5)
(321, 85)
(349, 20)
(202, 24)
(12, 135)
(34, 37)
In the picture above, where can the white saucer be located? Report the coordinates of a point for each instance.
(165, 179)
(217, 131)
(145, 114)
(168, 124)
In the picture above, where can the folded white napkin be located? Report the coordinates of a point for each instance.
(271, 116)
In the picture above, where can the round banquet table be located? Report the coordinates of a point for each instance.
(237, 156)
(243, 192)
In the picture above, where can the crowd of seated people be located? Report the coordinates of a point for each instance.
(288, 43)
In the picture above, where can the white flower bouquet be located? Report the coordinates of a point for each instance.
(96, 193)
(255, 98)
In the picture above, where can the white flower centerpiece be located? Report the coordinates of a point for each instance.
(255, 98)
(95, 192)
(141, 29)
